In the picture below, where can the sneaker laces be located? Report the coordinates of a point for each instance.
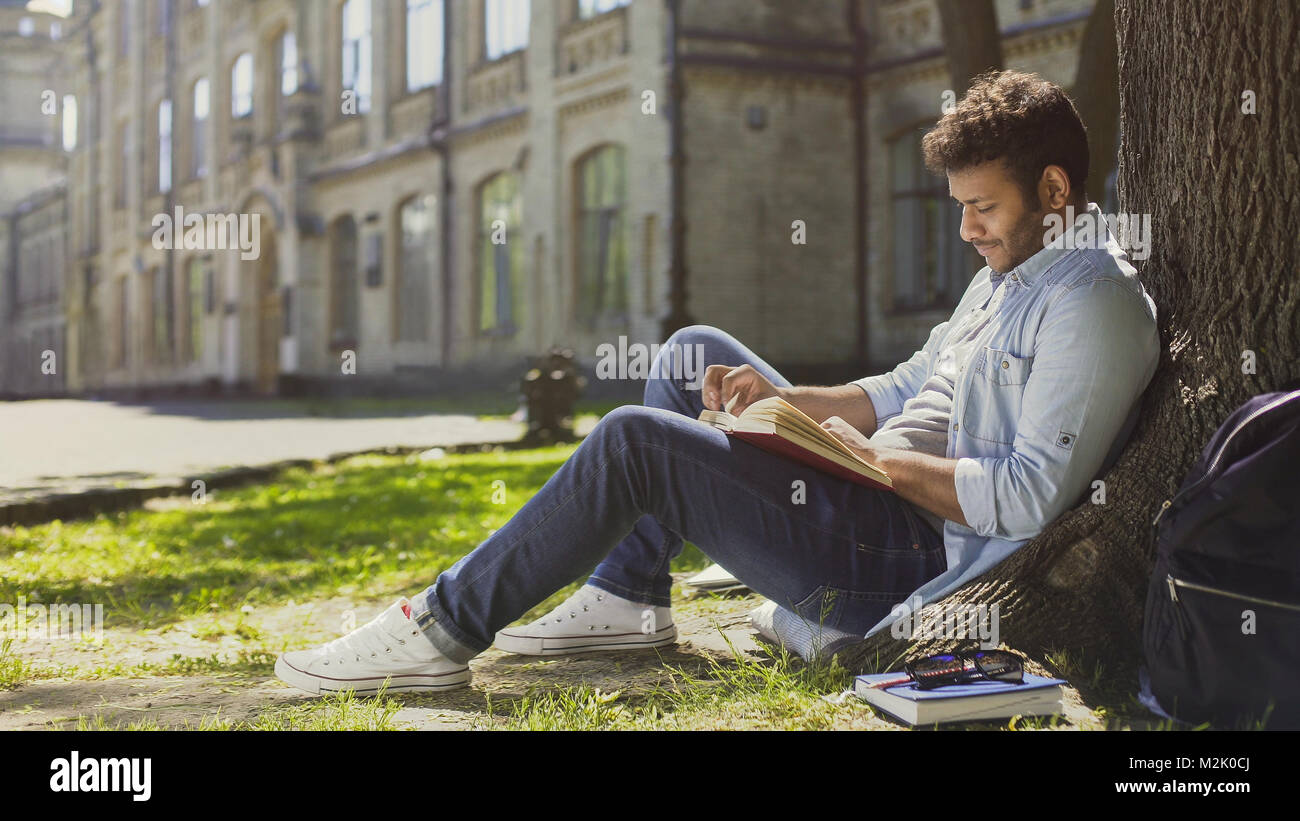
(370, 641)
(579, 602)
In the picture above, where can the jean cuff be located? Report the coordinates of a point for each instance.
(636, 596)
(440, 630)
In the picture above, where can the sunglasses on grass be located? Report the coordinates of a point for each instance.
(944, 669)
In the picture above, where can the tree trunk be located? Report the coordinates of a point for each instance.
(1221, 187)
(971, 40)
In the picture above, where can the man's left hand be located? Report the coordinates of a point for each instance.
(850, 436)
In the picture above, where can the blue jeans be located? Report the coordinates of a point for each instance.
(647, 477)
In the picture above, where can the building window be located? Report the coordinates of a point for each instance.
(930, 257)
(343, 283)
(602, 250)
(193, 302)
(287, 46)
(121, 312)
(123, 29)
(241, 86)
(500, 256)
(26, 27)
(415, 267)
(69, 122)
(162, 314)
(590, 8)
(123, 168)
(199, 130)
(165, 146)
(356, 52)
(505, 26)
(424, 43)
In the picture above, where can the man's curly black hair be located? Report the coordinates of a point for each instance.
(1018, 118)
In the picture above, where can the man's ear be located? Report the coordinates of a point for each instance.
(1054, 188)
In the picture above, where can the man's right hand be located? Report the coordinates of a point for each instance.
(722, 382)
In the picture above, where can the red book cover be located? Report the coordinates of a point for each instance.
(774, 443)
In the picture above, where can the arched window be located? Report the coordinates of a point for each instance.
(241, 86)
(415, 267)
(602, 248)
(343, 283)
(500, 254)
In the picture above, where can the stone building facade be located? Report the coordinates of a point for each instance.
(432, 209)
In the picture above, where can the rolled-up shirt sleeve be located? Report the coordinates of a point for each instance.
(888, 391)
(1094, 355)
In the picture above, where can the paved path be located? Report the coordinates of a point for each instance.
(61, 445)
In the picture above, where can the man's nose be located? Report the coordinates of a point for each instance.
(970, 225)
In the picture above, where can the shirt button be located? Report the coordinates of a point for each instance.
(1005, 364)
(954, 427)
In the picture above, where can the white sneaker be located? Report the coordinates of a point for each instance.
(390, 648)
(591, 619)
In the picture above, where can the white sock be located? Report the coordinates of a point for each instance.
(804, 637)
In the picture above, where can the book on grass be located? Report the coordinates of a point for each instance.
(980, 700)
(775, 425)
(715, 579)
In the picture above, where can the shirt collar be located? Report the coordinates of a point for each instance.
(1029, 270)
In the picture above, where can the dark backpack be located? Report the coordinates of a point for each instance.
(1227, 562)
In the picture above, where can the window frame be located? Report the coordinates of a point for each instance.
(514, 255)
(499, 8)
(364, 58)
(938, 289)
(619, 313)
(245, 58)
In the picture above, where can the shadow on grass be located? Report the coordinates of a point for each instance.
(349, 525)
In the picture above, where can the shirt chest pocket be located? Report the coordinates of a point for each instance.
(991, 407)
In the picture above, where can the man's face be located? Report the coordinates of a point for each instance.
(994, 217)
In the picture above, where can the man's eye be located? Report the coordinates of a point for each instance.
(984, 210)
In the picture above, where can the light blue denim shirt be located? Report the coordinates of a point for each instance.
(1045, 402)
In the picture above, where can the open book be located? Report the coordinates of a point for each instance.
(775, 425)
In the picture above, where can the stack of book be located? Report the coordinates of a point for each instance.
(980, 700)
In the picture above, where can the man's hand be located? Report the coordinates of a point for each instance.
(921, 478)
(852, 437)
(722, 382)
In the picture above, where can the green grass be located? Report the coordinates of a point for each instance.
(369, 525)
(776, 692)
(373, 524)
(381, 526)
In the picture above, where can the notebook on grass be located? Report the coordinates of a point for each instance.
(775, 425)
(977, 701)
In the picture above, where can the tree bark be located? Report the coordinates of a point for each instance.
(1222, 188)
(971, 40)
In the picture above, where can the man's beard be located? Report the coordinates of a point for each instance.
(1026, 239)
